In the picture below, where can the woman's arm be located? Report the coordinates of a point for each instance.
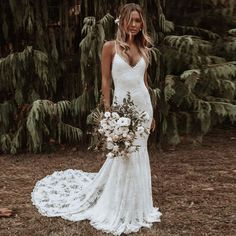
(153, 124)
(106, 72)
(145, 79)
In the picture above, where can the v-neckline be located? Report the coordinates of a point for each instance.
(123, 59)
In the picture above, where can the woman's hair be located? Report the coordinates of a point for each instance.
(142, 39)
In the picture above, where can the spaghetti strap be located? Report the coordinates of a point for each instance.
(115, 46)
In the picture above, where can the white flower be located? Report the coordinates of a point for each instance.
(107, 114)
(115, 148)
(107, 133)
(115, 115)
(124, 121)
(112, 123)
(132, 149)
(117, 21)
(109, 139)
(110, 155)
(117, 131)
(128, 155)
(110, 145)
(103, 122)
(140, 129)
(114, 137)
(124, 129)
(127, 144)
(131, 134)
(146, 116)
(101, 131)
(122, 153)
(105, 126)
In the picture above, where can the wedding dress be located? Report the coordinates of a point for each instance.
(117, 199)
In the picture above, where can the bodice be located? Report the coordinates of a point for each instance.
(129, 78)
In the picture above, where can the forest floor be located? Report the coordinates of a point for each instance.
(194, 187)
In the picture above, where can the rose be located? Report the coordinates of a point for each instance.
(101, 131)
(103, 124)
(140, 129)
(132, 149)
(109, 139)
(114, 137)
(115, 115)
(110, 145)
(107, 114)
(117, 131)
(122, 153)
(127, 144)
(124, 129)
(110, 155)
(107, 133)
(146, 116)
(123, 121)
(128, 155)
(112, 123)
(115, 148)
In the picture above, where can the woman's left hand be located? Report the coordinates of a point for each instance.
(153, 125)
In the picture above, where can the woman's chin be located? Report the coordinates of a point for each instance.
(132, 33)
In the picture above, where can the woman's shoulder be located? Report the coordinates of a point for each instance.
(109, 46)
(110, 43)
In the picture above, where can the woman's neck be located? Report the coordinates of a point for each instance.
(130, 39)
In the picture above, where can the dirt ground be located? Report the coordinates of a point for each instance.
(194, 187)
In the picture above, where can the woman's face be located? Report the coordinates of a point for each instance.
(133, 27)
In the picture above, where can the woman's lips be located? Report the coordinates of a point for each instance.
(133, 30)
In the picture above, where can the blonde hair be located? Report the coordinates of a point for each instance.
(142, 39)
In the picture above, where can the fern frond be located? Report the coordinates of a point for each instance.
(168, 90)
(165, 25)
(155, 95)
(89, 22)
(82, 104)
(107, 19)
(188, 43)
(232, 32)
(71, 133)
(225, 70)
(202, 108)
(63, 107)
(224, 109)
(198, 31)
(5, 142)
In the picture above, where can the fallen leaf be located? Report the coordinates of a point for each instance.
(208, 189)
(5, 212)
(191, 204)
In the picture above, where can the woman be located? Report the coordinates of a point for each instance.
(117, 199)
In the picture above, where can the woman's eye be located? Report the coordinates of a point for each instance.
(135, 21)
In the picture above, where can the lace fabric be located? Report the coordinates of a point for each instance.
(118, 198)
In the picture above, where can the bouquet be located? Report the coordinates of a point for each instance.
(118, 128)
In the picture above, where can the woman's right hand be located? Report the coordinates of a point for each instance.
(153, 125)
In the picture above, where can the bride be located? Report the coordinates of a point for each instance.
(117, 199)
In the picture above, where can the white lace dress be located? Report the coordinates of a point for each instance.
(117, 199)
